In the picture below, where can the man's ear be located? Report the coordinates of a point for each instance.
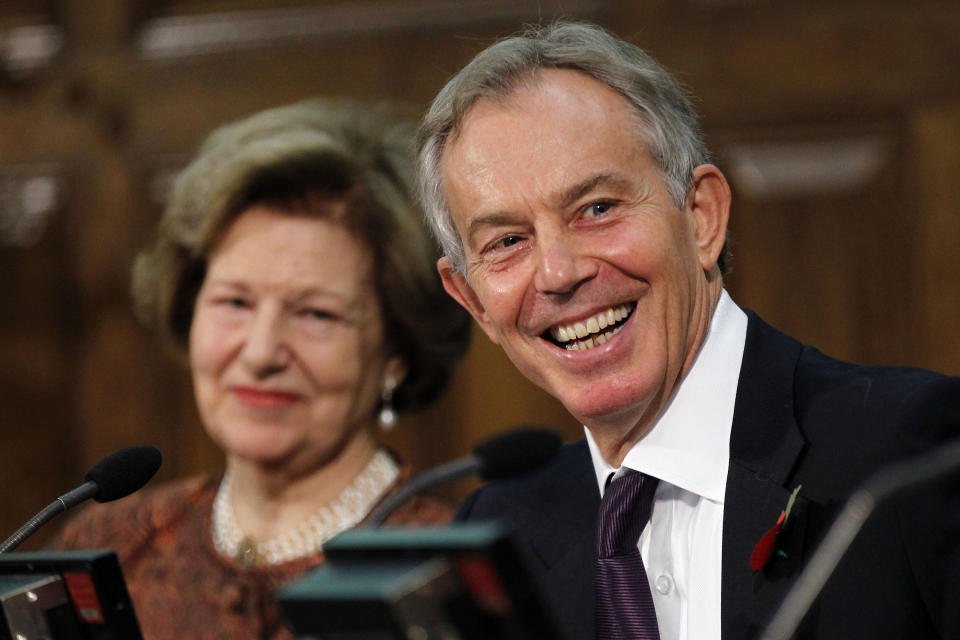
(710, 205)
(460, 290)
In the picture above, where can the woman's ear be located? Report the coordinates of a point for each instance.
(395, 372)
(710, 206)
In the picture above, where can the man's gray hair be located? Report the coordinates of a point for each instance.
(668, 126)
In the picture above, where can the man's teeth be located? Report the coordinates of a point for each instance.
(591, 332)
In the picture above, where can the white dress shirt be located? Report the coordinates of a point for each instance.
(688, 449)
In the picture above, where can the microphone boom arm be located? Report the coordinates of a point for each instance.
(116, 476)
(450, 471)
(71, 498)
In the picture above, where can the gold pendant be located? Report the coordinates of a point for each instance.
(247, 555)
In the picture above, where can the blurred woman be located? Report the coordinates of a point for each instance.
(292, 270)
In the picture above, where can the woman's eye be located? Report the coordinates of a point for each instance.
(598, 208)
(318, 314)
(237, 303)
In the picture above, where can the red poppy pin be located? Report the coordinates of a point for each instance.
(764, 549)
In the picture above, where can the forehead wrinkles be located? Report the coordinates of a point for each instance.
(293, 258)
(499, 141)
(533, 145)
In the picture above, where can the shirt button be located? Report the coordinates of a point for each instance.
(663, 584)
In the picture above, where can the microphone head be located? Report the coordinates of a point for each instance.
(123, 472)
(517, 451)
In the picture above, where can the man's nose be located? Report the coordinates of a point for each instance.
(265, 350)
(561, 264)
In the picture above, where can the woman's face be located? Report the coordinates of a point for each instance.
(287, 346)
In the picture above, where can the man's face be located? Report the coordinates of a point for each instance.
(578, 263)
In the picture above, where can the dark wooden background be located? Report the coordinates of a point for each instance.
(838, 124)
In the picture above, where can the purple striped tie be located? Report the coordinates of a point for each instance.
(624, 602)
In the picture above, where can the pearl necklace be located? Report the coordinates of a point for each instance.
(343, 512)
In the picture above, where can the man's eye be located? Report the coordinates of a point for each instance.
(598, 208)
(504, 242)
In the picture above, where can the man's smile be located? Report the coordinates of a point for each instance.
(590, 332)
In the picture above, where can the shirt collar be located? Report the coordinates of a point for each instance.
(689, 445)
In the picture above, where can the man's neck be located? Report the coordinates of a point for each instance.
(616, 434)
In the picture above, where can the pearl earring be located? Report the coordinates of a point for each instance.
(387, 418)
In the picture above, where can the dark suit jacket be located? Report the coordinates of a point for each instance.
(800, 419)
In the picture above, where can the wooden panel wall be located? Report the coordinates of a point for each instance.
(865, 270)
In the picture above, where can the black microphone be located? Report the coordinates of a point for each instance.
(880, 486)
(116, 476)
(509, 454)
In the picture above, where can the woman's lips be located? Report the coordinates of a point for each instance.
(264, 398)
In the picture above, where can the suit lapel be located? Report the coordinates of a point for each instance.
(765, 446)
(563, 539)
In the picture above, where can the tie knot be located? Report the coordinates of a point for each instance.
(624, 511)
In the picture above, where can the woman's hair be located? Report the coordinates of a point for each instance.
(295, 158)
(667, 126)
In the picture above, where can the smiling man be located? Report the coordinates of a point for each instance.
(584, 228)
